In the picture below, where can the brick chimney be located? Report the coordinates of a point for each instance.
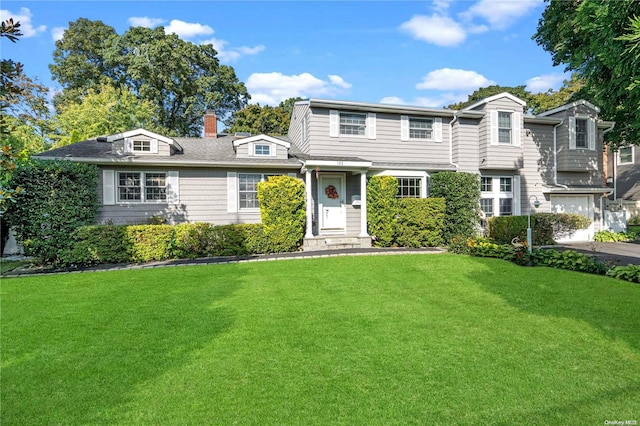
(210, 124)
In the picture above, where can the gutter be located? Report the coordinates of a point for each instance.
(555, 156)
(119, 162)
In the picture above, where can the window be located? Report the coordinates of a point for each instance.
(497, 196)
(352, 124)
(141, 146)
(142, 187)
(409, 187)
(420, 128)
(248, 189)
(486, 184)
(262, 150)
(626, 155)
(504, 127)
(581, 133)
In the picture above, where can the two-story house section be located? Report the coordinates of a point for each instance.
(623, 170)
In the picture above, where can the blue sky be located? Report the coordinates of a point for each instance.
(428, 53)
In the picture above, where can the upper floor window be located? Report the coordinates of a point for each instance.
(262, 149)
(420, 128)
(625, 155)
(504, 127)
(352, 123)
(581, 133)
(409, 187)
(141, 146)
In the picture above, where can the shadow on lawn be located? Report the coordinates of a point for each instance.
(82, 363)
(611, 309)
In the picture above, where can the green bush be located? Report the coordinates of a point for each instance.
(58, 197)
(634, 220)
(149, 242)
(462, 194)
(503, 229)
(545, 227)
(193, 240)
(93, 245)
(614, 237)
(283, 214)
(628, 273)
(382, 209)
(569, 259)
(484, 247)
(420, 222)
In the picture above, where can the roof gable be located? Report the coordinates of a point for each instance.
(569, 106)
(144, 132)
(496, 97)
(265, 138)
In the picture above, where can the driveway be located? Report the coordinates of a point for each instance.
(619, 253)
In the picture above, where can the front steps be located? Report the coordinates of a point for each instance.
(333, 242)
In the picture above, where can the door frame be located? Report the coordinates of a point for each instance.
(342, 192)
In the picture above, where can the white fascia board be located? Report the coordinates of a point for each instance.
(155, 163)
(143, 132)
(569, 106)
(258, 138)
(337, 163)
(388, 108)
(401, 173)
(493, 98)
(534, 119)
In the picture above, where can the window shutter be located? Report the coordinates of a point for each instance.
(232, 192)
(572, 133)
(154, 146)
(404, 128)
(516, 196)
(173, 188)
(437, 129)
(493, 123)
(516, 125)
(334, 123)
(108, 188)
(371, 125)
(591, 135)
(128, 146)
(252, 150)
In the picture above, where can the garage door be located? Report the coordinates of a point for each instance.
(580, 204)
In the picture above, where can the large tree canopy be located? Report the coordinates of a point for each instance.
(266, 119)
(594, 39)
(180, 78)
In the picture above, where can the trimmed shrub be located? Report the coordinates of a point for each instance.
(382, 209)
(193, 240)
(282, 210)
(483, 247)
(562, 224)
(149, 242)
(420, 222)
(58, 197)
(93, 245)
(462, 194)
(503, 229)
(545, 227)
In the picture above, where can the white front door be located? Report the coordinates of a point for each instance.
(580, 204)
(331, 209)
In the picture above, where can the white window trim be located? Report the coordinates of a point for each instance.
(633, 156)
(369, 126)
(252, 149)
(516, 128)
(409, 174)
(405, 130)
(233, 190)
(128, 146)
(496, 194)
(110, 187)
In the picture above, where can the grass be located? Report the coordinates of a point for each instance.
(411, 339)
(9, 265)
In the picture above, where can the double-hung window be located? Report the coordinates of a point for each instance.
(248, 189)
(409, 187)
(581, 133)
(420, 128)
(142, 187)
(262, 150)
(504, 127)
(625, 155)
(496, 196)
(352, 123)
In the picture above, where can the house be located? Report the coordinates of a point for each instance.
(334, 146)
(623, 176)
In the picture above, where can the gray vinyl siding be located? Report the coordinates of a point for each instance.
(386, 147)
(499, 156)
(242, 151)
(300, 114)
(164, 149)
(628, 178)
(203, 198)
(537, 166)
(465, 148)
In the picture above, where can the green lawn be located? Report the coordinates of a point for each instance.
(422, 339)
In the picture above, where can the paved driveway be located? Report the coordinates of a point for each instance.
(620, 253)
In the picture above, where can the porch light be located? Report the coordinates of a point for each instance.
(536, 204)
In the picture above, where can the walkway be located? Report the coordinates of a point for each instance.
(619, 253)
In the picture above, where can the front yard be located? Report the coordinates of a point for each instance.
(354, 340)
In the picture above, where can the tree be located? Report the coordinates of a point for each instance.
(571, 90)
(484, 92)
(181, 79)
(104, 110)
(595, 40)
(267, 120)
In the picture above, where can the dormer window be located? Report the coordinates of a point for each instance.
(141, 146)
(263, 150)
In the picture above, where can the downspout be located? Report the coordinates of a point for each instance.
(606, 194)
(555, 156)
(455, 117)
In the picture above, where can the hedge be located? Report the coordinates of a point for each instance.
(462, 194)
(382, 209)
(545, 227)
(420, 222)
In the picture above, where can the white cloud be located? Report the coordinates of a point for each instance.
(24, 17)
(500, 13)
(230, 55)
(435, 29)
(393, 100)
(453, 79)
(272, 88)
(145, 21)
(545, 82)
(187, 30)
(57, 33)
(438, 100)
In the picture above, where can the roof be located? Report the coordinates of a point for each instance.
(495, 97)
(569, 106)
(372, 107)
(197, 152)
